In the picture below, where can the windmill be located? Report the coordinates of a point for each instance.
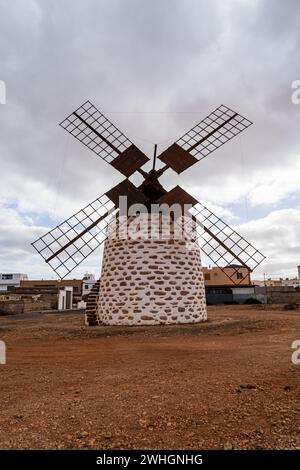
(149, 280)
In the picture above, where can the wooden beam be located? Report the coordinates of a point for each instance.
(211, 133)
(81, 234)
(222, 244)
(98, 134)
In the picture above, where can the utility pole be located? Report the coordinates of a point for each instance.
(265, 287)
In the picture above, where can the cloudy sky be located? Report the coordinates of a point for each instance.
(155, 69)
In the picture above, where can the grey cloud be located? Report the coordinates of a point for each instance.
(133, 59)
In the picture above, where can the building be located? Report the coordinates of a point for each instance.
(87, 283)
(226, 277)
(35, 299)
(65, 298)
(76, 284)
(80, 287)
(227, 286)
(11, 280)
(281, 282)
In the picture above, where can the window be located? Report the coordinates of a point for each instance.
(7, 276)
(207, 277)
(219, 291)
(239, 275)
(75, 289)
(86, 286)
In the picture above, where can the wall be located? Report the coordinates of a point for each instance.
(216, 277)
(278, 282)
(243, 291)
(288, 295)
(75, 283)
(236, 295)
(151, 281)
(13, 307)
(275, 295)
(216, 299)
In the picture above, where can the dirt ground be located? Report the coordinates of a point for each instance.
(225, 384)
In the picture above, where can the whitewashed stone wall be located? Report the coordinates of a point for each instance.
(147, 282)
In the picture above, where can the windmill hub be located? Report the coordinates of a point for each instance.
(157, 279)
(151, 187)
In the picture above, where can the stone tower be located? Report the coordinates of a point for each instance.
(148, 281)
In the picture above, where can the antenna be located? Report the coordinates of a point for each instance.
(154, 157)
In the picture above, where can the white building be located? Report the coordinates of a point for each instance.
(280, 282)
(291, 282)
(11, 280)
(65, 298)
(87, 283)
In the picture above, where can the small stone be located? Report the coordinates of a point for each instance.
(82, 435)
(287, 388)
(248, 386)
(228, 446)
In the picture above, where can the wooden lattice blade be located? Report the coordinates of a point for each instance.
(211, 133)
(223, 245)
(72, 241)
(88, 125)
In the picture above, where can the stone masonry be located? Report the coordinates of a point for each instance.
(150, 281)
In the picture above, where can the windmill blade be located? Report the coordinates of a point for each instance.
(177, 195)
(211, 133)
(72, 241)
(126, 188)
(225, 247)
(95, 131)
